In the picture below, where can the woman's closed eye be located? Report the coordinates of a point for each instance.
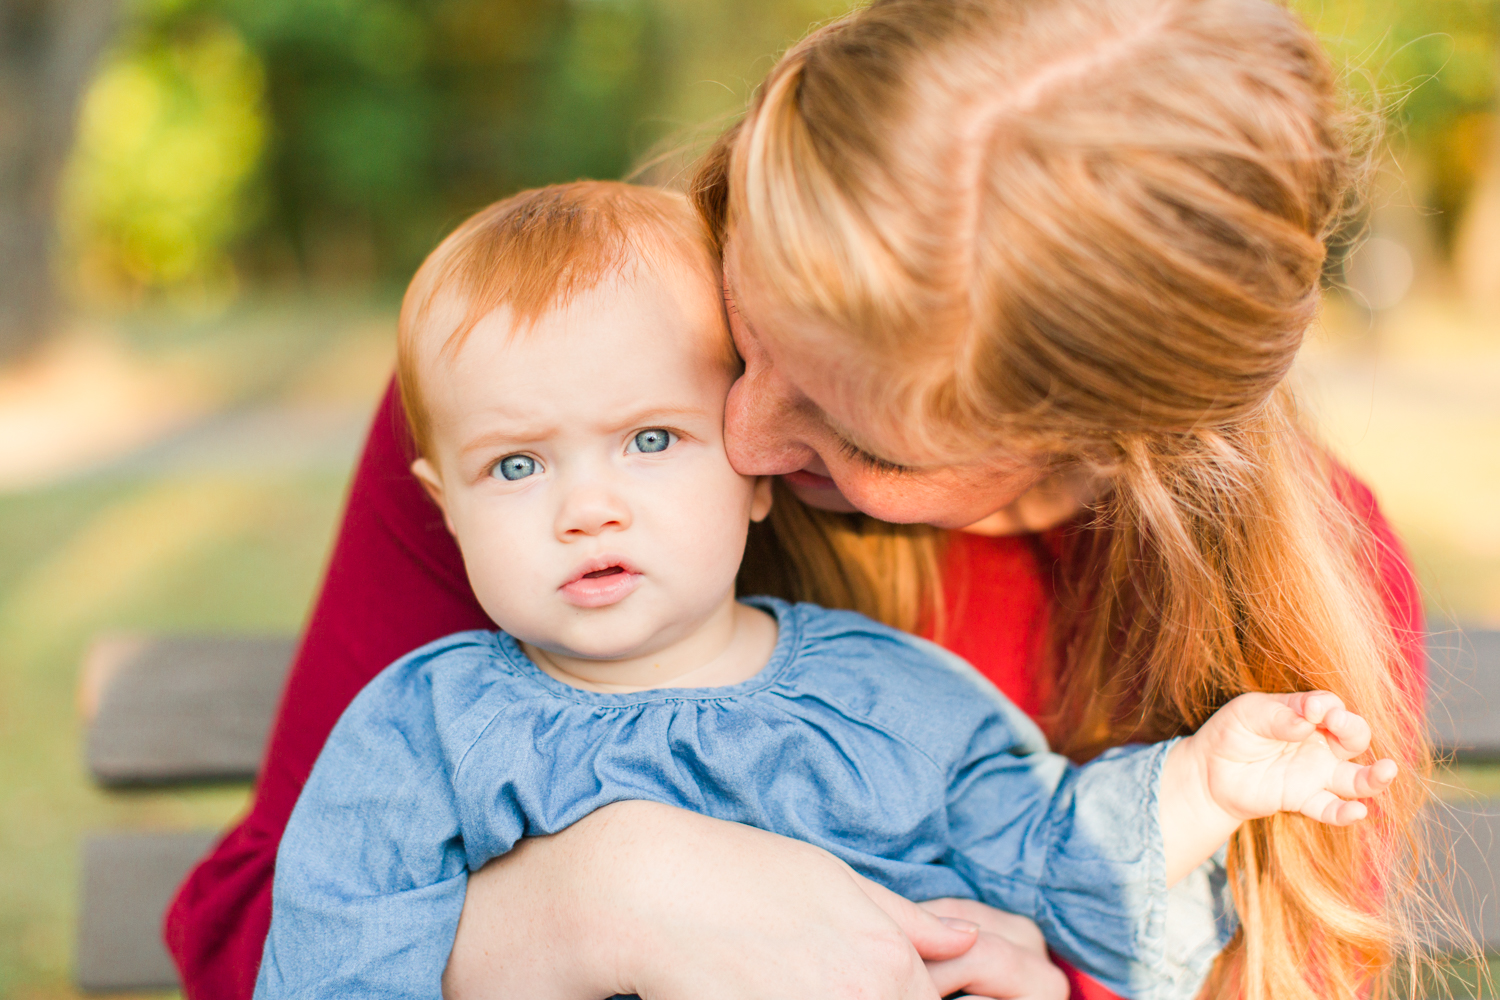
(513, 467)
(853, 451)
(650, 441)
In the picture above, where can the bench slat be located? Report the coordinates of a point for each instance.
(1466, 858)
(1463, 703)
(127, 880)
(198, 708)
(183, 708)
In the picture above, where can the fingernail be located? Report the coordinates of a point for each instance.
(967, 926)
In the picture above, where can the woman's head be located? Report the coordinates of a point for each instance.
(970, 240)
(970, 244)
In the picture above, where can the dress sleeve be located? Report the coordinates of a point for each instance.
(1079, 851)
(371, 873)
(394, 582)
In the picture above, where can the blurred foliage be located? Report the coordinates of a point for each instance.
(1432, 67)
(168, 137)
(394, 119)
(334, 141)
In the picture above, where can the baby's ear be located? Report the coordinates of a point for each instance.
(428, 476)
(760, 500)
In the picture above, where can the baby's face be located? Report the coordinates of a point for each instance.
(581, 466)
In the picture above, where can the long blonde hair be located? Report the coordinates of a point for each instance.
(1093, 230)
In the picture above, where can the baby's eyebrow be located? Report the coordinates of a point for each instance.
(521, 433)
(514, 434)
(649, 413)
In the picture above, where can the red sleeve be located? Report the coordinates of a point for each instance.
(395, 582)
(1398, 585)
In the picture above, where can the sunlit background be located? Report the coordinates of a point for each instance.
(208, 209)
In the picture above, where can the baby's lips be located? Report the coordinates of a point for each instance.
(601, 586)
(600, 566)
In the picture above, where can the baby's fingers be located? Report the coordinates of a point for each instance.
(1287, 724)
(1314, 706)
(1353, 781)
(1349, 782)
(1326, 807)
(1348, 734)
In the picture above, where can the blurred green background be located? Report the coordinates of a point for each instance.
(208, 209)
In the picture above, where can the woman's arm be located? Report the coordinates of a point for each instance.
(649, 899)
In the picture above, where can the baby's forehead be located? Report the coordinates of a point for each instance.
(684, 306)
(641, 354)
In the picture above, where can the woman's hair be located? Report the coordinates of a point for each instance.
(891, 572)
(1092, 232)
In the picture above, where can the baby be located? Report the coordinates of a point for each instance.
(564, 363)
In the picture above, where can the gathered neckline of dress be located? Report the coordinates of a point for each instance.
(788, 645)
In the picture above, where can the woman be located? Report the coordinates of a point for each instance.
(1032, 273)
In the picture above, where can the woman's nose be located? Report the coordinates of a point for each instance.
(762, 417)
(591, 509)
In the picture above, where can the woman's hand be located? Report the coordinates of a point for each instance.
(649, 899)
(1008, 961)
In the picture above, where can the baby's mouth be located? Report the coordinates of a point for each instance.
(602, 586)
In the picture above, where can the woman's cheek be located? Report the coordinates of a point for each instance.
(885, 499)
(906, 501)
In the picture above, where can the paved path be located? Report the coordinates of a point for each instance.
(253, 440)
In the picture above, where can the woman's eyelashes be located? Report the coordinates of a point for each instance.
(853, 451)
(513, 467)
(650, 441)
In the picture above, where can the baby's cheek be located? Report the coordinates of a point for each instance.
(502, 571)
(723, 546)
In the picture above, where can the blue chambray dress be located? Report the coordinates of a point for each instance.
(886, 750)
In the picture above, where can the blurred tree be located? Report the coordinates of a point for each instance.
(392, 119)
(330, 140)
(386, 122)
(336, 140)
(47, 51)
(170, 134)
(1430, 66)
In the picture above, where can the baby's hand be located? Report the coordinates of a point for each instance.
(1268, 753)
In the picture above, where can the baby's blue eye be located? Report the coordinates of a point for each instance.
(514, 467)
(656, 439)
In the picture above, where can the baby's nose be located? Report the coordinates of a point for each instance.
(592, 509)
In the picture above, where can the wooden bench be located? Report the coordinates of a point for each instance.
(169, 711)
(1463, 704)
(162, 712)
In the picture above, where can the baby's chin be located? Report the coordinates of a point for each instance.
(602, 644)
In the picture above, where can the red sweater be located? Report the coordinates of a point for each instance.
(396, 581)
